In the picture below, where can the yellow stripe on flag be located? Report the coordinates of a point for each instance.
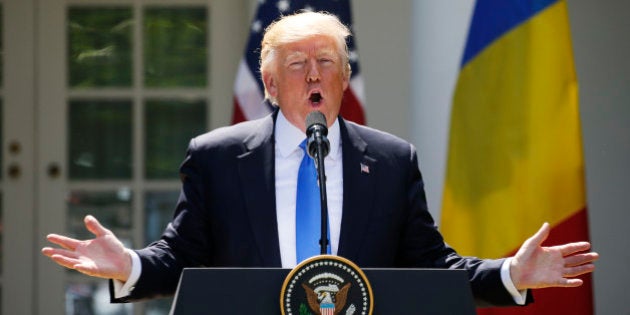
(515, 151)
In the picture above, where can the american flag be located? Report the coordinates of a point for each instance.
(365, 169)
(248, 88)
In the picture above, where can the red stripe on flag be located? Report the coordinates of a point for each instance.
(237, 114)
(351, 108)
(558, 300)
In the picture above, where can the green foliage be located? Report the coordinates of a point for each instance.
(304, 310)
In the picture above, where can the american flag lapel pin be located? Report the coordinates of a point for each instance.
(365, 169)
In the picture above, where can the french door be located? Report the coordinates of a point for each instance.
(112, 92)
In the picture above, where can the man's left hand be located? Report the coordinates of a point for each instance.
(535, 266)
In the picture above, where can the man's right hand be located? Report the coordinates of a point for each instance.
(103, 256)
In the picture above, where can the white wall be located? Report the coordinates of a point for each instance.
(601, 47)
(383, 37)
(440, 29)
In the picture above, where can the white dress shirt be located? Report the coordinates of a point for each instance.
(288, 158)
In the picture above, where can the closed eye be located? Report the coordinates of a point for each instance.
(296, 64)
(326, 61)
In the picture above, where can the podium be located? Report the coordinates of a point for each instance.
(257, 291)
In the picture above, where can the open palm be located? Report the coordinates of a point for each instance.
(103, 256)
(535, 266)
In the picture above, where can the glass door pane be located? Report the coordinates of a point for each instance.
(169, 127)
(99, 44)
(175, 47)
(99, 139)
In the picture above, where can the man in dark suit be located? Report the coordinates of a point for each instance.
(238, 201)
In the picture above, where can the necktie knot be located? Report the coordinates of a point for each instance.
(303, 145)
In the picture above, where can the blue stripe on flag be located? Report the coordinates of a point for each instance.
(493, 18)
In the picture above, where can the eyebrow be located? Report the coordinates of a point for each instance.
(320, 53)
(295, 54)
(327, 52)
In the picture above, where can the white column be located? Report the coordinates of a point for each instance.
(439, 31)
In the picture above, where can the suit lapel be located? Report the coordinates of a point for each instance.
(257, 176)
(358, 191)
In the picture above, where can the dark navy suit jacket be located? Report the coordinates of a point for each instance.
(226, 214)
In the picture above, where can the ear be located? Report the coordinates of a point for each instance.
(346, 77)
(270, 85)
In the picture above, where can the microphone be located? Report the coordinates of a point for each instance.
(318, 147)
(316, 132)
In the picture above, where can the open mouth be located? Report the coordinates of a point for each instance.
(315, 98)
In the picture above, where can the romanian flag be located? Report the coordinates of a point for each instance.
(515, 151)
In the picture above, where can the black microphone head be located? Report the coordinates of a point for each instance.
(313, 119)
(316, 131)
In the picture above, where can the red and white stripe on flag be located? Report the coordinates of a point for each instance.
(327, 309)
(248, 89)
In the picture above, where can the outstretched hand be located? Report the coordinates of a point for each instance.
(535, 266)
(103, 256)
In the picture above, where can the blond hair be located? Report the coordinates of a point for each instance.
(300, 26)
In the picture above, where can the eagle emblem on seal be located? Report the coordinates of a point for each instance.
(326, 299)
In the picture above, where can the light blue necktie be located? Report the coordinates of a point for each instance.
(307, 210)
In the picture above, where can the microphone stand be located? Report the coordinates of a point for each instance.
(321, 180)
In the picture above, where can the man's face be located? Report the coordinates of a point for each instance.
(308, 75)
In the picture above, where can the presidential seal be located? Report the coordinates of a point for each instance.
(326, 285)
